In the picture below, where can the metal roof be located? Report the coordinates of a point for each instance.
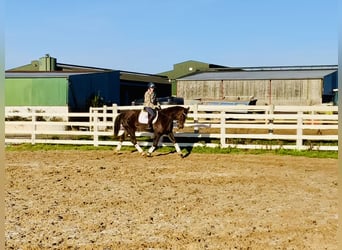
(124, 75)
(259, 75)
(61, 74)
(297, 67)
(65, 66)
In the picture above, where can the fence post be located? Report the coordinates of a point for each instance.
(222, 129)
(95, 125)
(91, 119)
(115, 110)
(270, 121)
(299, 141)
(105, 110)
(34, 127)
(114, 113)
(195, 112)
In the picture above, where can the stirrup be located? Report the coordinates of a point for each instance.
(149, 127)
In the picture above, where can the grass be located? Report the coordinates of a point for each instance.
(200, 150)
(46, 147)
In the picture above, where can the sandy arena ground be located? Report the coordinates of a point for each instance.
(99, 200)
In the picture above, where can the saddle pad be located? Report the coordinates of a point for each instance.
(143, 117)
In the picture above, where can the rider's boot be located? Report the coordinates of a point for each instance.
(149, 124)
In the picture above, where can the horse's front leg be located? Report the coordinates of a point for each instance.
(154, 145)
(175, 144)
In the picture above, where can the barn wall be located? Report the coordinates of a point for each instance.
(190, 90)
(243, 89)
(36, 92)
(132, 90)
(277, 92)
(297, 92)
(85, 88)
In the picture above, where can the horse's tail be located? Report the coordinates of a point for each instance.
(117, 124)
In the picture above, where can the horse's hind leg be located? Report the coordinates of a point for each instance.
(121, 139)
(134, 141)
(136, 145)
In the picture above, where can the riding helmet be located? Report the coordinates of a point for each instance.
(151, 85)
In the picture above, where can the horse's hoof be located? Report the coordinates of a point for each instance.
(181, 155)
(143, 154)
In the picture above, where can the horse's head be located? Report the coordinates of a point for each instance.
(181, 116)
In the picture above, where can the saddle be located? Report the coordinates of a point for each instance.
(143, 117)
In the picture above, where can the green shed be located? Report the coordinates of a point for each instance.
(47, 83)
(76, 91)
(35, 91)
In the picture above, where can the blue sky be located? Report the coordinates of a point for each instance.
(150, 36)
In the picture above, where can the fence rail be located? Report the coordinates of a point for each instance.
(252, 127)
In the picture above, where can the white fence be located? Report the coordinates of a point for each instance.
(252, 127)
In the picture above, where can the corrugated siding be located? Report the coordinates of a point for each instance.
(36, 92)
(296, 92)
(83, 89)
(198, 89)
(278, 92)
(244, 88)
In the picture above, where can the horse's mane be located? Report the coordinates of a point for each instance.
(173, 108)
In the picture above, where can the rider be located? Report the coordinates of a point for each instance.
(151, 104)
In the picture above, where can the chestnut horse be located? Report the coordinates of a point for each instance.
(128, 119)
